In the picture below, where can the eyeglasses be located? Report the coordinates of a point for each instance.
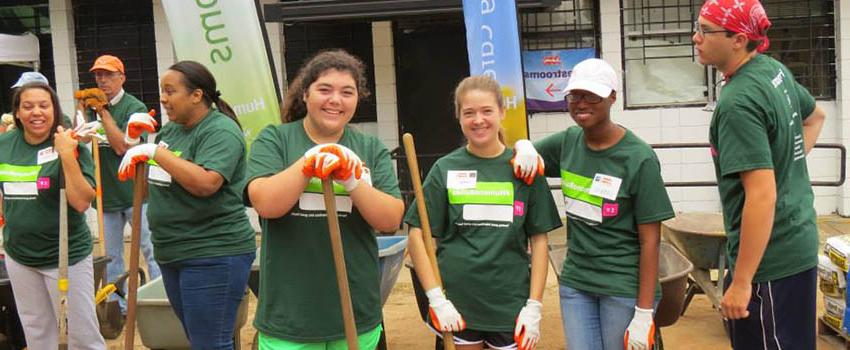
(106, 74)
(702, 32)
(589, 98)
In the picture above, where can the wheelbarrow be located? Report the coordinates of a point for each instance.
(673, 269)
(702, 239)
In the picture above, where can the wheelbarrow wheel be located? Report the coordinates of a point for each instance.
(110, 319)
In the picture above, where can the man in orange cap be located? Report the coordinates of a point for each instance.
(118, 196)
(762, 128)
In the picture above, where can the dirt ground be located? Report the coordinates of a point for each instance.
(700, 328)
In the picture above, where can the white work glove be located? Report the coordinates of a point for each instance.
(641, 332)
(444, 316)
(138, 124)
(138, 154)
(526, 162)
(89, 130)
(527, 331)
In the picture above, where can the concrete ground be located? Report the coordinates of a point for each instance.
(699, 329)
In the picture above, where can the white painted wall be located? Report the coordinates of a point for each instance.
(64, 52)
(385, 86)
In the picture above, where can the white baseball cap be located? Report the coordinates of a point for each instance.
(30, 77)
(594, 75)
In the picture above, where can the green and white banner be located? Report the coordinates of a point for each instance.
(226, 37)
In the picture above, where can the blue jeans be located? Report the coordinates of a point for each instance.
(205, 294)
(594, 321)
(113, 227)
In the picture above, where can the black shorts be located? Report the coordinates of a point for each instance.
(493, 340)
(782, 315)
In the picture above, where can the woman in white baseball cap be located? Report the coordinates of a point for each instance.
(615, 201)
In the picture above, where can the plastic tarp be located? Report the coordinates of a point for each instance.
(19, 49)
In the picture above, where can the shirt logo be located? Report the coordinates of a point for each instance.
(43, 183)
(519, 208)
(610, 210)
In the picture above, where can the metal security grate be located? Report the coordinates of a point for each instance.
(125, 29)
(656, 38)
(303, 40)
(803, 38)
(657, 45)
(17, 17)
(574, 24)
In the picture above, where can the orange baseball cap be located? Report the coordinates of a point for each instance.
(108, 62)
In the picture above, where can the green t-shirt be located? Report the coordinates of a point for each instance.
(117, 195)
(607, 194)
(483, 218)
(29, 176)
(184, 226)
(758, 124)
(299, 298)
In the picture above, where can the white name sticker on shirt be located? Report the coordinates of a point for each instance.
(20, 189)
(461, 179)
(158, 174)
(605, 186)
(46, 155)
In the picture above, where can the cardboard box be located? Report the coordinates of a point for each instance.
(832, 280)
(838, 250)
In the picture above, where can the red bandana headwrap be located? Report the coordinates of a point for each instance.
(740, 16)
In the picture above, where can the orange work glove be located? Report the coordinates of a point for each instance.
(139, 123)
(138, 154)
(93, 98)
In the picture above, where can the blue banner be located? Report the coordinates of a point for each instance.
(492, 41)
(546, 74)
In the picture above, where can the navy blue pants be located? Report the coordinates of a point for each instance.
(782, 315)
(205, 294)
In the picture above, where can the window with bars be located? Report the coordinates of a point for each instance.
(661, 68)
(658, 55)
(303, 40)
(574, 24)
(125, 29)
(18, 17)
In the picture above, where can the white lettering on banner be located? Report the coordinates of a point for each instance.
(511, 102)
(223, 53)
(488, 49)
(488, 6)
(488, 212)
(316, 202)
(250, 107)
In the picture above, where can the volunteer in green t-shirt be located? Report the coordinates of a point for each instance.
(33, 155)
(299, 305)
(615, 201)
(117, 120)
(763, 126)
(484, 220)
(203, 241)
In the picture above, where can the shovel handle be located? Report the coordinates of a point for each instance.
(339, 264)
